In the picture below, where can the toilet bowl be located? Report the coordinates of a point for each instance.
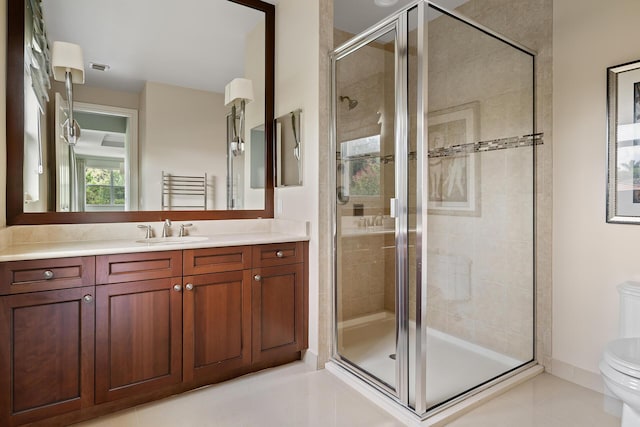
(620, 364)
(620, 368)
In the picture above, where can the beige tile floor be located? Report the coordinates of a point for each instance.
(294, 395)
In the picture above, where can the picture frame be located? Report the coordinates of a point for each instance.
(623, 143)
(454, 175)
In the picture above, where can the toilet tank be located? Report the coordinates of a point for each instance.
(629, 309)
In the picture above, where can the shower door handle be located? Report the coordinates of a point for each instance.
(393, 207)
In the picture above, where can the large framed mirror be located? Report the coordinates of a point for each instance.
(175, 111)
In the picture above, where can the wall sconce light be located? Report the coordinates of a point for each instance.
(67, 63)
(237, 93)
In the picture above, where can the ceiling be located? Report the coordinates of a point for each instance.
(355, 16)
(191, 43)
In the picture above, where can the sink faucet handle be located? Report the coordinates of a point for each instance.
(183, 231)
(166, 227)
(149, 231)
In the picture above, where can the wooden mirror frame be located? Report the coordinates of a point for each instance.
(15, 138)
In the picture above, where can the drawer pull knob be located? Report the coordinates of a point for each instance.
(189, 286)
(48, 274)
(88, 298)
(257, 277)
(279, 254)
(177, 288)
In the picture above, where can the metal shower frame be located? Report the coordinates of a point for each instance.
(399, 22)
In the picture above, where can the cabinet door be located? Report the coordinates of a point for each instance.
(217, 325)
(278, 312)
(138, 337)
(46, 354)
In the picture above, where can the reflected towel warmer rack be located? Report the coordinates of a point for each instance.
(184, 192)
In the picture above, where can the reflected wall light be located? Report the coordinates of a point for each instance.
(385, 3)
(67, 63)
(237, 94)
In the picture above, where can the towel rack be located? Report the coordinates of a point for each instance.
(184, 192)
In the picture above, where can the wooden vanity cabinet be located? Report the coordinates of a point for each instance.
(82, 337)
(217, 326)
(46, 338)
(217, 314)
(139, 323)
(279, 306)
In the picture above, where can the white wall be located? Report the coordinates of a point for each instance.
(297, 86)
(184, 133)
(590, 257)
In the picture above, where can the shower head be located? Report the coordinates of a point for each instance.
(352, 102)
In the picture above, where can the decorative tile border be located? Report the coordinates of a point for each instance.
(455, 150)
(491, 145)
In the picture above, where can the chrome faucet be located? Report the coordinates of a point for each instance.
(166, 228)
(148, 231)
(183, 231)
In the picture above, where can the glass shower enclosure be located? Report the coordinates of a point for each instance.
(433, 128)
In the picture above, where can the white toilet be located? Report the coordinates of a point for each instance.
(620, 365)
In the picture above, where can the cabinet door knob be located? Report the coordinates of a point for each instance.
(88, 298)
(48, 274)
(257, 277)
(279, 254)
(177, 288)
(189, 286)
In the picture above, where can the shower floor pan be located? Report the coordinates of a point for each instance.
(453, 365)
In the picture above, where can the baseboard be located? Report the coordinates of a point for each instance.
(310, 359)
(579, 376)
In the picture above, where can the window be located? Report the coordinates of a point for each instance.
(362, 166)
(104, 186)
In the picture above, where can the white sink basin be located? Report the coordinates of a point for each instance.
(172, 240)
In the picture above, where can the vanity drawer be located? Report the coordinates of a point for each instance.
(46, 274)
(277, 254)
(216, 260)
(139, 266)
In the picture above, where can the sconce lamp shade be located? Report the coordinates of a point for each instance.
(238, 89)
(67, 57)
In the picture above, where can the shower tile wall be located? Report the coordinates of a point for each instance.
(366, 259)
(492, 305)
(530, 23)
(479, 266)
(363, 290)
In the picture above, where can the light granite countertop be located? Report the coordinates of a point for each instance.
(22, 247)
(105, 247)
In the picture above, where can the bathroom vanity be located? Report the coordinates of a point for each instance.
(93, 321)
(83, 336)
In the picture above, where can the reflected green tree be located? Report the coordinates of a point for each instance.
(104, 186)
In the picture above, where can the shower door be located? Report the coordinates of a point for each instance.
(433, 128)
(370, 240)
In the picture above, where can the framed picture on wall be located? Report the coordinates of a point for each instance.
(454, 175)
(623, 134)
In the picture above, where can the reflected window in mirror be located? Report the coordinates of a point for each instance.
(173, 89)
